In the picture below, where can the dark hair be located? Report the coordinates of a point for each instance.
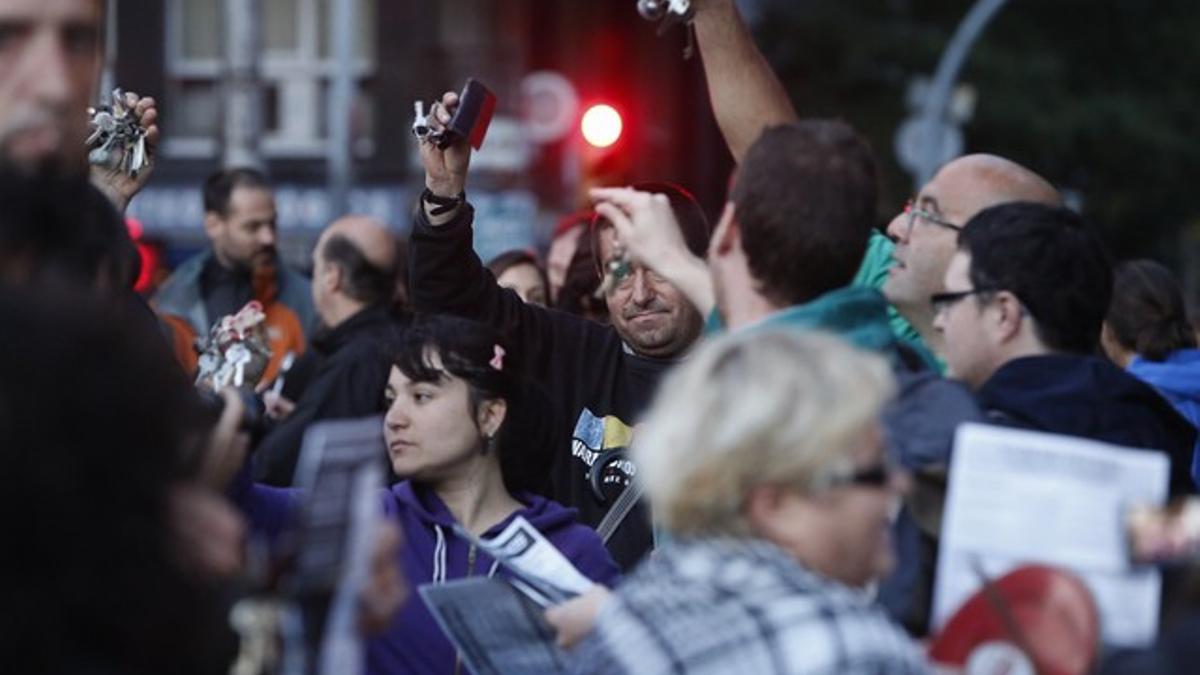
(1052, 260)
(466, 349)
(94, 421)
(805, 201)
(692, 221)
(64, 228)
(1147, 313)
(219, 187)
(512, 258)
(362, 280)
(571, 221)
(578, 293)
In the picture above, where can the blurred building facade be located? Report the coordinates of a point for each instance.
(405, 50)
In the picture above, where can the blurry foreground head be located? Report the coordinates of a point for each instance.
(796, 459)
(49, 64)
(58, 229)
(94, 422)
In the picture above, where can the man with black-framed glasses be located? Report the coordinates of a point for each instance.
(1023, 300)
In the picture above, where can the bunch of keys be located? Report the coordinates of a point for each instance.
(116, 138)
(669, 13)
(476, 106)
(617, 270)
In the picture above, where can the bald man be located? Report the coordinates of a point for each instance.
(354, 280)
(910, 263)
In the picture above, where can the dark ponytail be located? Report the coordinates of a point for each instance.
(1147, 314)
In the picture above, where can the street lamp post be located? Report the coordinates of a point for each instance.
(933, 112)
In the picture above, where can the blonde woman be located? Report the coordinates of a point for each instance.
(764, 460)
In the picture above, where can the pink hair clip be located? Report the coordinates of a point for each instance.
(497, 361)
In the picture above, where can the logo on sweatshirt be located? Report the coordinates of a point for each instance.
(601, 443)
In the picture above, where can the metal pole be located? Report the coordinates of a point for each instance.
(243, 102)
(341, 105)
(108, 77)
(934, 109)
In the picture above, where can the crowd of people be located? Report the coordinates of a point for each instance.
(739, 431)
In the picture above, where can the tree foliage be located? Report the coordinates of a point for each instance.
(1099, 96)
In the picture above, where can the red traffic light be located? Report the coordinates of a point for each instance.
(601, 125)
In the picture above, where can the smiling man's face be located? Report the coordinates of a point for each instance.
(651, 315)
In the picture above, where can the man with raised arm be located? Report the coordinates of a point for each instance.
(908, 264)
(599, 377)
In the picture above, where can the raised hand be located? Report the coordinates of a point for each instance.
(650, 235)
(117, 185)
(445, 169)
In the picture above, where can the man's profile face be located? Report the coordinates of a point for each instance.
(49, 61)
(651, 315)
(245, 236)
(954, 195)
(962, 323)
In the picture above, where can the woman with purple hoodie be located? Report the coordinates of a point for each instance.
(450, 392)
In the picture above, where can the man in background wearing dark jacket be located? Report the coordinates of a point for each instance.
(1025, 298)
(354, 271)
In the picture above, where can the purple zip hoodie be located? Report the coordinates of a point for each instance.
(414, 643)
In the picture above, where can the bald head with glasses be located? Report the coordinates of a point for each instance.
(926, 231)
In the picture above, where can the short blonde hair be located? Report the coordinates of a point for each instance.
(768, 407)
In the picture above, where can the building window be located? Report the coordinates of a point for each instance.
(296, 66)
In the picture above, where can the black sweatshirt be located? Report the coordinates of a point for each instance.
(598, 387)
(348, 383)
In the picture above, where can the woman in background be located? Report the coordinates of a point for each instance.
(1147, 332)
(520, 270)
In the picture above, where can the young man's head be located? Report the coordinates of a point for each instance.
(925, 232)
(354, 266)
(1027, 279)
(801, 210)
(653, 317)
(239, 218)
(49, 63)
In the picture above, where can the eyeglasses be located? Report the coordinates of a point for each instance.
(874, 476)
(940, 302)
(913, 213)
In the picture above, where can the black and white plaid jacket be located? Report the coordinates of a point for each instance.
(740, 606)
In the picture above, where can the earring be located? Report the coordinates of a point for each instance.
(489, 444)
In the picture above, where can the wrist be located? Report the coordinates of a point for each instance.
(119, 201)
(440, 209)
(445, 188)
